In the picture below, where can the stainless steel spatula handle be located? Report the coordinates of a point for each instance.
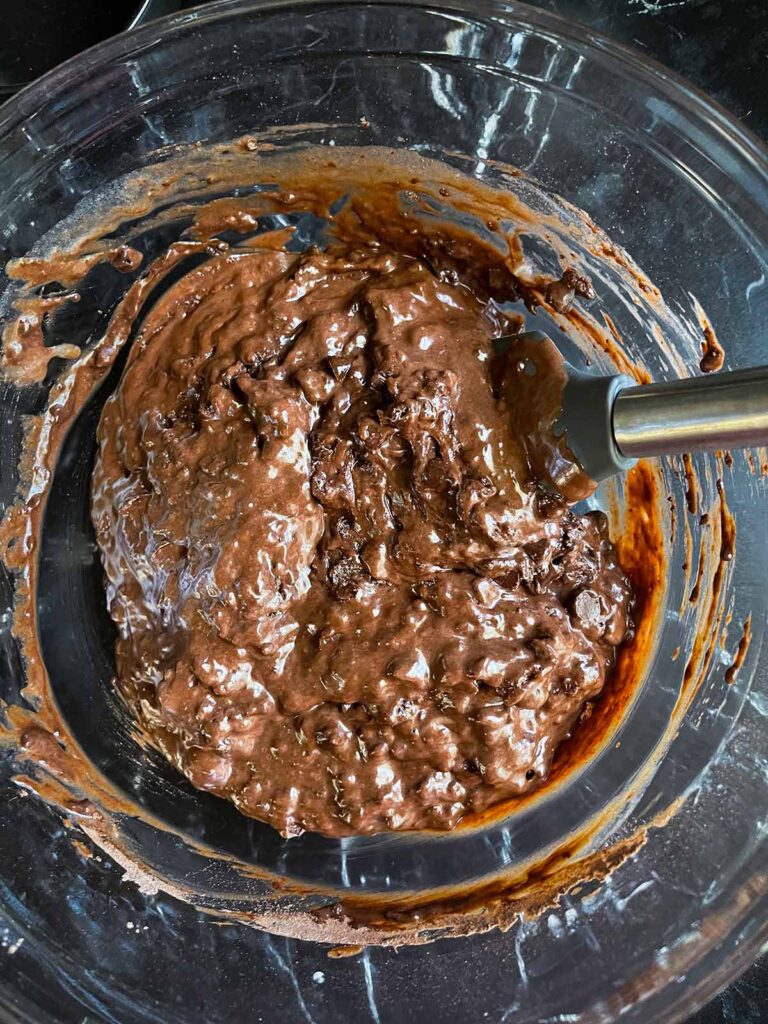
(727, 410)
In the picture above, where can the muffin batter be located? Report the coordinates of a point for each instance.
(343, 601)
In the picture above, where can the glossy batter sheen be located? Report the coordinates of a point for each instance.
(342, 601)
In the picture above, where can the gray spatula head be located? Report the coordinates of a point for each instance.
(586, 422)
(562, 415)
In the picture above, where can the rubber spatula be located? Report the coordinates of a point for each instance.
(608, 423)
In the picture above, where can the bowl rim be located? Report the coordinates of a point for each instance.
(33, 96)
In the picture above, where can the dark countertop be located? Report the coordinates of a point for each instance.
(719, 45)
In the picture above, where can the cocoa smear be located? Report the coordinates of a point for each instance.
(691, 485)
(713, 354)
(718, 547)
(560, 294)
(25, 354)
(741, 652)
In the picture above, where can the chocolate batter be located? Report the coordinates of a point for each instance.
(343, 600)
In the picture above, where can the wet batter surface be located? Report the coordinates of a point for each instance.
(343, 601)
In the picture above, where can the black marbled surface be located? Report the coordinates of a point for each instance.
(721, 46)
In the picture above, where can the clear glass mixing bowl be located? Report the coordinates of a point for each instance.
(482, 85)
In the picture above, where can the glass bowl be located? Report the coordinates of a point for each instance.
(485, 87)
